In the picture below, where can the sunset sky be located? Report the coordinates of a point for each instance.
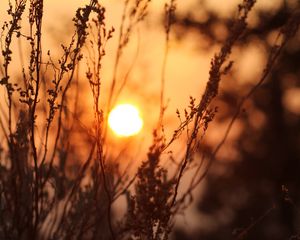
(187, 66)
(186, 75)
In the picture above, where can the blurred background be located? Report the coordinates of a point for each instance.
(252, 187)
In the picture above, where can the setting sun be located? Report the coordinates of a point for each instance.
(125, 120)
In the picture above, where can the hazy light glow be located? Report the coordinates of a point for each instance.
(125, 120)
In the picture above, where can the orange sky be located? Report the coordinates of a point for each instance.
(187, 68)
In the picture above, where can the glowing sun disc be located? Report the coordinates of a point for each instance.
(125, 120)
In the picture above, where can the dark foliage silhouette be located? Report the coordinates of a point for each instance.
(259, 186)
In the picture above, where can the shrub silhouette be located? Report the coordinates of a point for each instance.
(46, 196)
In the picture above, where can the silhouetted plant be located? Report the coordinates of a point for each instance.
(45, 195)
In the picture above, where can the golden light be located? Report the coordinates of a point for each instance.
(125, 120)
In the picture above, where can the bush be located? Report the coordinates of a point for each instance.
(46, 195)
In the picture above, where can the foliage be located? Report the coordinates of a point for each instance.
(44, 192)
(253, 193)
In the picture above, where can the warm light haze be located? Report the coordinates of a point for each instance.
(149, 119)
(125, 120)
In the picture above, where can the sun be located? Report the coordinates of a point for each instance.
(125, 120)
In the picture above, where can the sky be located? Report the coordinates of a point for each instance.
(187, 66)
(186, 70)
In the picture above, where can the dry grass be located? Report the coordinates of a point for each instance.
(40, 197)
